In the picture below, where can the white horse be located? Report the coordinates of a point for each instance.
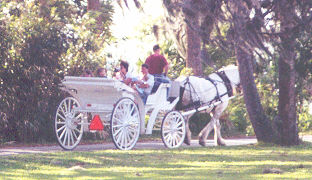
(200, 91)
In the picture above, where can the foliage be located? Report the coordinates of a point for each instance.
(233, 162)
(177, 63)
(39, 45)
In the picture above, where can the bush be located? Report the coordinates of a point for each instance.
(39, 45)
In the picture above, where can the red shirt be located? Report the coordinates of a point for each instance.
(156, 63)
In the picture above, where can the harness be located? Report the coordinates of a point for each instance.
(192, 104)
(197, 104)
(226, 81)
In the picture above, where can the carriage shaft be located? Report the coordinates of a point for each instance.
(205, 107)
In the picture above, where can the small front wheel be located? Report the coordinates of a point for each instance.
(125, 124)
(173, 129)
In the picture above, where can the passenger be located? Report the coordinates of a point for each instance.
(87, 73)
(124, 74)
(145, 85)
(116, 74)
(101, 72)
(158, 65)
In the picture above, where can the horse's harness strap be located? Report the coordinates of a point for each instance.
(193, 104)
(215, 85)
(226, 81)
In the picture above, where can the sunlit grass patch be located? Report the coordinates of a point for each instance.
(240, 162)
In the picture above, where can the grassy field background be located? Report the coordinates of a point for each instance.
(239, 162)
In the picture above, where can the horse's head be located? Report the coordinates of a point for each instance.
(232, 73)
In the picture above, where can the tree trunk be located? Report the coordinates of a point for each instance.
(193, 59)
(261, 125)
(93, 4)
(287, 76)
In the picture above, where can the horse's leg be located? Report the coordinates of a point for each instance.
(205, 132)
(213, 124)
(218, 140)
(217, 136)
(188, 135)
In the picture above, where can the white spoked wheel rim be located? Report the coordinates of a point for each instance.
(68, 124)
(125, 124)
(173, 129)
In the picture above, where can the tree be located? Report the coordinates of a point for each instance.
(290, 22)
(248, 34)
(244, 47)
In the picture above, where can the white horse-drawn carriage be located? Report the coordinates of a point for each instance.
(111, 102)
(117, 105)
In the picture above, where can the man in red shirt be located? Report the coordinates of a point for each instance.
(158, 67)
(157, 63)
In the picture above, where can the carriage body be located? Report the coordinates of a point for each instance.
(117, 105)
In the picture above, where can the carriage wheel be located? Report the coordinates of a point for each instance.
(68, 124)
(173, 129)
(125, 124)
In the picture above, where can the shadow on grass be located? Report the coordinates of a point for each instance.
(245, 162)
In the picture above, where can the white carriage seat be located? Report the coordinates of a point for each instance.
(160, 96)
(174, 91)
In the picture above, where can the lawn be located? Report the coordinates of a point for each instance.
(240, 162)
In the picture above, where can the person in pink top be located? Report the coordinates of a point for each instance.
(157, 63)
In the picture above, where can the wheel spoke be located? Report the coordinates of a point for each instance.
(119, 136)
(118, 120)
(178, 124)
(166, 131)
(62, 110)
(125, 138)
(117, 126)
(65, 137)
(133, 129)
(122, 138)
(80, 115)
(60, 129)
(74, 133)
(65, 106)
(62, 117)
(62, 134)
(130, 112)
(175, 137)
(71, 137)
(128, 137)
(117, 131)
(69, 108)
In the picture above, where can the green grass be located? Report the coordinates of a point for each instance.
(240, 162)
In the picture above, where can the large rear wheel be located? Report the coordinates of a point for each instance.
(125, 124)
(68, 124)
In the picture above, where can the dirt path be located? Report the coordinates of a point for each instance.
(140, 145)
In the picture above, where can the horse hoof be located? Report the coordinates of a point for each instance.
(220, 143)
(202, 143)
(187, 141)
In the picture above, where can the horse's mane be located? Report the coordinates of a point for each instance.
(228, 67)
